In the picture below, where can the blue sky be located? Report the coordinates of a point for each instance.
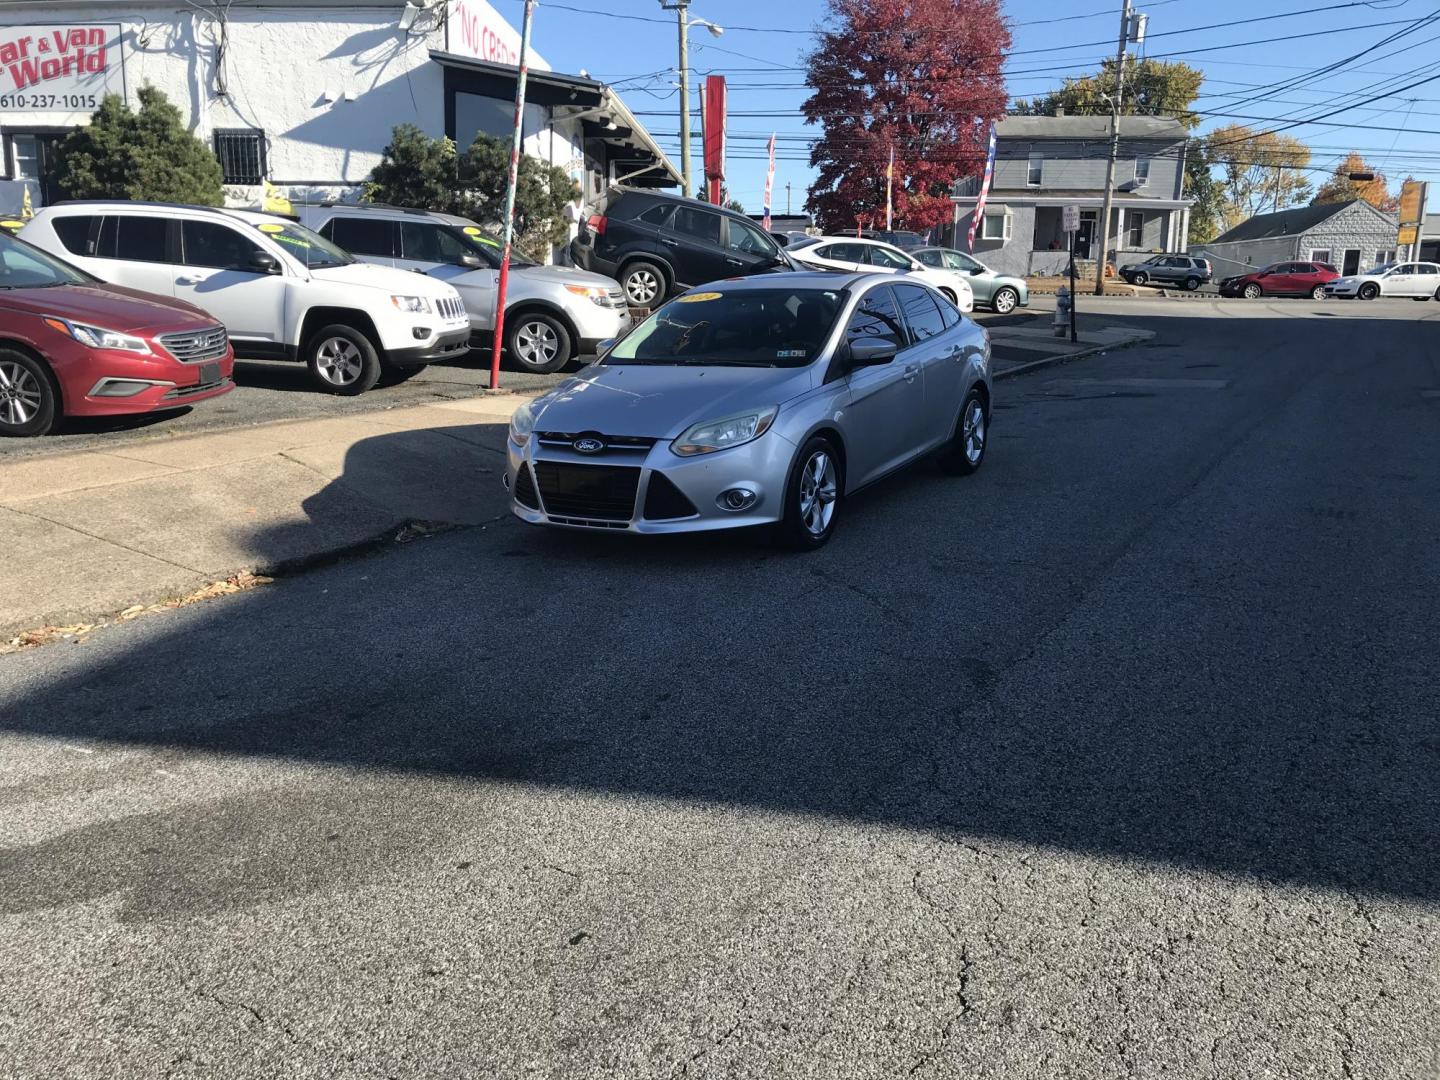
(762, 50)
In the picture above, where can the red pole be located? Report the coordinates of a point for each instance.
(515, 142)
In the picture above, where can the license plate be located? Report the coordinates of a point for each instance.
(209, 373)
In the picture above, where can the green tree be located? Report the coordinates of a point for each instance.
(149, 154)
(416, 170)
(1261, 170)
(1152, 88)
(1207, 214)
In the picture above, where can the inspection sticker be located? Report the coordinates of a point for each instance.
(699, 297)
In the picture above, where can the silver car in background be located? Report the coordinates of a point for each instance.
(757, 401)
(552, 313)
(1001, 293)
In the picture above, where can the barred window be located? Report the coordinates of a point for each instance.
(242, 155)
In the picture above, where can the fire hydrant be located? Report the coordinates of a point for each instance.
(1061, 322)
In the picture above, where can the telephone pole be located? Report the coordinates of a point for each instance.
(685, 22)
(787, 198)
(1109, 205)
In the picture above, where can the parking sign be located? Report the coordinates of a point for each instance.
(1071, 218)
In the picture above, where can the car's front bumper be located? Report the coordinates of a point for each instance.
(1347, 290)
(762, 467)
(104, 382)
(451, 342)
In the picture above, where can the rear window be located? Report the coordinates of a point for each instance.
(771, 327)
(922, 315)
(657, 215)
(363, 236)
(700, 224)
(141, 239)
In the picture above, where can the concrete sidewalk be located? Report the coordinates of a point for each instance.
(1018, 346)
(92, 533)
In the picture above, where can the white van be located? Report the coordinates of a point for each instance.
(282, 291)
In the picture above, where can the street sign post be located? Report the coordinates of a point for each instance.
(1070, 219)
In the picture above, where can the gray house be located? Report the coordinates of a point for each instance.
(1348, 235)
(1430, 239)
(1043, 163)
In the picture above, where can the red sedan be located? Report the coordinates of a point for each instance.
(72, 346)
(1282, 279)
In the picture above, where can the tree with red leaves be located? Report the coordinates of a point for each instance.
(920, 76)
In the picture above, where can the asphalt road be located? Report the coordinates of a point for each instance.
(1118, 759)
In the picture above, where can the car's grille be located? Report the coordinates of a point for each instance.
(450, 307)
(525, 488)
(616, 299)
(606, 492)
(196, 347)
(182, 392)
(613, 443)
(664, 501)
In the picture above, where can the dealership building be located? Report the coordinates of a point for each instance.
(303, 95)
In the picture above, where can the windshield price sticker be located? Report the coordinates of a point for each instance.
(698, 298)
(271, 227)
(791, 354)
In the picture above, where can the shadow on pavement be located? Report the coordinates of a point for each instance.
(1212, 695)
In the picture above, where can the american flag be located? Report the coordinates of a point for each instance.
(984, 190)
(769, 184)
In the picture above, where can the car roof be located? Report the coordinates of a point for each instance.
(665, 196)
(385, 210)
(125, 205)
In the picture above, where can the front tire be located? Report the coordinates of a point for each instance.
(29, 403)
(1004, 301)
(644, 284)
(538, 343)
(813, 494)
(1369, 291)
(342, 360)
(1252, 291)
(1140, 278)
(965, 452)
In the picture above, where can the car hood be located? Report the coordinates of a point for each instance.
(401, 282)
(660, 402)
(111, 307)
(566, 275)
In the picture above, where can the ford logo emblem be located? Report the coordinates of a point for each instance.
(589, 445)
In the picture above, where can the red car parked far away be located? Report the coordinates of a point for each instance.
(1282, 279)
(72, 346)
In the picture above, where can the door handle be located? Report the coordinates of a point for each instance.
(910, 372)
(733, 262)
(188, 279)
(667, 240)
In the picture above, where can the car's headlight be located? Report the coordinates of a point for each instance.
(414, 304)
(596, 294)
(522, 424)
(97, 337)
(724, 433)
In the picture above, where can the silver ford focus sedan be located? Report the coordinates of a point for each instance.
(758, 401)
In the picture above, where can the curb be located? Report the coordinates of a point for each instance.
(1051, 361)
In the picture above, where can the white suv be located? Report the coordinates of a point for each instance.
(551, 312)
(282, 291)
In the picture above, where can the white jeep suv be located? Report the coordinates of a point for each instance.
(552, 313)
(282, 291)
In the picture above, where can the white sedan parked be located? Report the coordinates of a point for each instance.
(872, 256)
(1417, 280)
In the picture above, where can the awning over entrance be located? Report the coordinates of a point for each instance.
(605, 118)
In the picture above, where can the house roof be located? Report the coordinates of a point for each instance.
(1088, 127)
(1283, 222)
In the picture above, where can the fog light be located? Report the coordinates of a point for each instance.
(736, 499)
(122, 388)
(421, 332)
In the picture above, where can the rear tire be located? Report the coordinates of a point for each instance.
(644, 284)
(1317, 293)
(342, 360)
(965, 452)
(540, 344)
(1369, 291)
(1004, 301)
(813, 495)
(29, 399)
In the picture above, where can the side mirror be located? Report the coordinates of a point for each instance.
(264, 262)
(471, 260)
(872, 353)
(604, 347)
(977, 271)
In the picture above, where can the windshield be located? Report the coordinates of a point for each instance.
(773, 327)
(23, 266)
(310, 248)
(487, 245)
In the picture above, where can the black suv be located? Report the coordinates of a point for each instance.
(656, 244)
(905, 241)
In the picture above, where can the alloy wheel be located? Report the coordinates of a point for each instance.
(20, 394)
(972, 432)
(1317, 293)
(536, 343)
(818, 491)
(1252, 291)
(338, 361)
(1004, 302)
(643, 287)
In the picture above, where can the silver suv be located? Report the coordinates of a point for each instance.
(552, 313)
(1187, 271)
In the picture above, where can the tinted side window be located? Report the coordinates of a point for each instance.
(657, 215)
(141, 239)
(931, 258)
(921, 315)
(427, 242)
(208, 243)
(698, 223)
(890, 260)
(856, 253)
(362, 236)
(949, 313)
(749, 240)
(1425, 268)
(75, 233)
(876, 319)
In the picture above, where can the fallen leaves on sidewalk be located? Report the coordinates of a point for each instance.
(78, 632)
